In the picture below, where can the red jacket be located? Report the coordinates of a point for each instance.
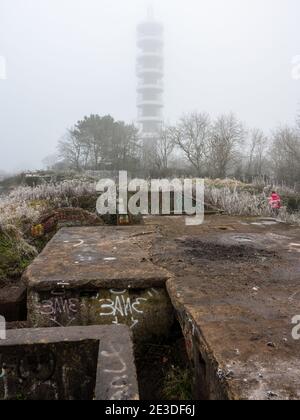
(275, 201)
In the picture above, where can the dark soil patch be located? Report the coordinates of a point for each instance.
(211, 251)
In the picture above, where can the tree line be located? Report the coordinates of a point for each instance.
(100, 143)
(196, 145)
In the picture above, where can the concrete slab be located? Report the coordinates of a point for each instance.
(236, 290)
(105, 257)
(68, 364)
(98, 276)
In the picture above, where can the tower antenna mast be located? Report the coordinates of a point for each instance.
(150, 12)
(150, 73)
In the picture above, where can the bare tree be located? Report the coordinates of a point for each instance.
(227, 135)
(191, 135)
(70, 149)
(50, 161)
(258, 146)
(164, 147)
(285, 154)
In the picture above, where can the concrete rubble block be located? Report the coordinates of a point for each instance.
(72, 363)
(99, 276)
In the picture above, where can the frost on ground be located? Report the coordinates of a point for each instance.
(24, 206)
(238, 199)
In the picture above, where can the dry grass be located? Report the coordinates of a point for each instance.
(25, 204)
(23, 208)
(237, 202)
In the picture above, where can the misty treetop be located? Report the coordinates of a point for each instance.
(196, 145)
(100, 143)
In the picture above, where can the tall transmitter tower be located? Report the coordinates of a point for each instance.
(150, 72)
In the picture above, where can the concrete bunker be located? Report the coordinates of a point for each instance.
(102, 276)
(85, 273)
(91, 363)
(99, 276)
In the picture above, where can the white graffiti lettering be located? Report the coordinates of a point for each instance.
(59, 306)
(119, 382)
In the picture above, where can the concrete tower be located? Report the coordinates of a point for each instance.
(150, 74)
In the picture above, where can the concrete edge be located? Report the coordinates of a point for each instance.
(116, 374)
(192, 331)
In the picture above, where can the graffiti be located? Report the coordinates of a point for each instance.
(83, 258)
(119, 381)
(4, 380)
(80, 242)
(296, 329)
(37, 366)
(122, 306)
(116, 306)
(30, 371)
(152, 292)
(2, 328)
(60, 306)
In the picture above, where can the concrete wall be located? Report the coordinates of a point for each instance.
(68, 364)
(148, 313)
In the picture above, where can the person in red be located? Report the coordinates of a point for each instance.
(275, 203)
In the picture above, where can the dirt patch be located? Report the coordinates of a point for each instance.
(212, 251)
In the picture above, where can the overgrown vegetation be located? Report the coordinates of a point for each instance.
(25, 205)
(15, 254)
(238, 199)
(22, 208)
(178, 384)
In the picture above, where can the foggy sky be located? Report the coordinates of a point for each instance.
(69, 58)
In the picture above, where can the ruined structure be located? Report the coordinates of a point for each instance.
(232, 283)
(91, 363)
(99, 276)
